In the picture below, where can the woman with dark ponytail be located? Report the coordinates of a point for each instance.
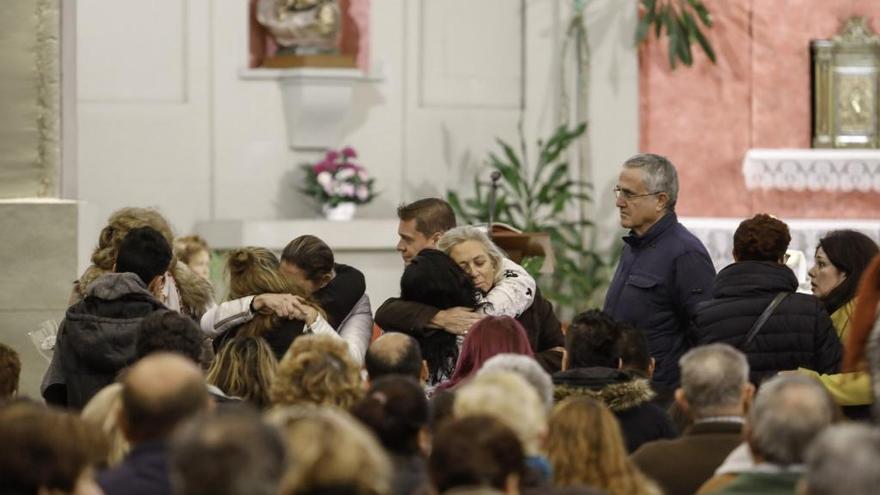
(396, 410)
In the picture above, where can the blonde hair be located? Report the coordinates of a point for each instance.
(102, 411)
(458, 235)
(330, 450)
(188, 246)
(196, 293)
(118, 225)
(585, 447)
(317, 369)
(510, 399)
(254, 271)
(245, 367)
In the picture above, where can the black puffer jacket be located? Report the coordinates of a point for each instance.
(799, 333)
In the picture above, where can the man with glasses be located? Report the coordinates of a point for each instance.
(664, 270)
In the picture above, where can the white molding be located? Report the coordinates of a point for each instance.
(834, 170)
(717, 234)
(329, 75)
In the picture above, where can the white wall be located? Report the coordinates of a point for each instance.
(166, 120)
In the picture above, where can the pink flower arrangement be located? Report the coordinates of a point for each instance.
(337, 179)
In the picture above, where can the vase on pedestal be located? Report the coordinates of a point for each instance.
(342, 212)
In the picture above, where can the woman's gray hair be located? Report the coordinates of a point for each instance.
(525, 367)
(659, 175)
(458, 235)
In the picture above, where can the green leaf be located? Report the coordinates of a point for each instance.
(702, 12)
(704, 43)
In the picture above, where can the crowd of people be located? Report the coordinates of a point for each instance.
(686, 382)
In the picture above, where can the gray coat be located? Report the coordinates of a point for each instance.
(96, 339)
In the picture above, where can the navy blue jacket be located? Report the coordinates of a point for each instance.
(661, 277)
(144, 471)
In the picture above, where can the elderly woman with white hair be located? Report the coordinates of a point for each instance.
(486, 264)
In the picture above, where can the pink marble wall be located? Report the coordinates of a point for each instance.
(706, 117)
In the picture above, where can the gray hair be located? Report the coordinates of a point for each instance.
(527, 368)
(658, 174)
(713, 377)
(844, 459)
(788, 413)
(458, 235)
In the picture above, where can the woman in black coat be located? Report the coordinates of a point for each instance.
(799, 333)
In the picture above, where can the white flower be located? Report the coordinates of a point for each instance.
(347, 190)
(345, 174)
(363, 193)
(325, 178)
(362, 175)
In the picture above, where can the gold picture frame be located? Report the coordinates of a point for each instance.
(846, 88)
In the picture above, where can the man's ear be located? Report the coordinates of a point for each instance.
(434, 238)
(662, 201)
(326, 278)
(748, 394)
(424, 372)
(564, 360)
(424, 440)
(122, 423)
(620, 363)
(511, 484)
(682, 401)
(652, 365)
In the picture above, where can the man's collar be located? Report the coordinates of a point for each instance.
(660, 226)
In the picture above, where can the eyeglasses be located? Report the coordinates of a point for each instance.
(627, 195)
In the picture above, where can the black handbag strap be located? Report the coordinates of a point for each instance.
(763, 319)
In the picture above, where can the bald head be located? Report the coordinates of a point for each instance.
(160, 391)
(394, 353)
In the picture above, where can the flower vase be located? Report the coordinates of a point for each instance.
(340, 213)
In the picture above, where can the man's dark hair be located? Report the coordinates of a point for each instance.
(634, 349)
(10, 371)
(232, 452)
(395, 409)
(432, 215)
(311, 255)
(150, 419)
(402, 360)
(145, 252)
(475, 451)
(169, 331)
(761, 238)
(593, 339)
